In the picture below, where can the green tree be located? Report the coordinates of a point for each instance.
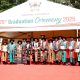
(6, 4)
(77, 4)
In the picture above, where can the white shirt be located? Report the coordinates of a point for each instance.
(28, 45)
(4, 48)
(44, 44)
(78, 45)
(36, 45)
(51, 45)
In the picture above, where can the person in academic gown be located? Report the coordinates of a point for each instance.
(4, 49)
(19, 52)
(12, 51)
(72, 45)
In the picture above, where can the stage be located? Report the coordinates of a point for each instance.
(39, 72)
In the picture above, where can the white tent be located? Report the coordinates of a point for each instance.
(39, 15)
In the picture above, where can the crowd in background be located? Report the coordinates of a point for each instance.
(56, 50)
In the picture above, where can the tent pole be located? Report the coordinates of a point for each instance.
(77, 35)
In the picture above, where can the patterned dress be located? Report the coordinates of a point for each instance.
(64, 44)
(36, 48)
(24, 54)
(51, 56)
(72, 52)
(41, 50)
(28, 53)
(19, 54)
(45, 51)
(78, 47)
(56, 51)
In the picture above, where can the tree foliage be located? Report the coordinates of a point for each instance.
(73, 3)
(6, 4)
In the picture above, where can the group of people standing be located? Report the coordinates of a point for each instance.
(56, 50)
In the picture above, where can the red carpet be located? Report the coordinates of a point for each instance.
(39, 72)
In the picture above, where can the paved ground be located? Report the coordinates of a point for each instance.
(39, 72)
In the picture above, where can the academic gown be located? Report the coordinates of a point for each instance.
(11, 51)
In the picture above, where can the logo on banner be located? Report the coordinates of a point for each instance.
(35, 5)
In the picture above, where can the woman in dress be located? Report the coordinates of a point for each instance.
(19, 52)
(36, 49)
(56, 47)
(50, 52)
(78, 53)
(12, 51)
(4, 49)
(73, 55)
(63, 50)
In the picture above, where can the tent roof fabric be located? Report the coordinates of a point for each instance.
(42, 15)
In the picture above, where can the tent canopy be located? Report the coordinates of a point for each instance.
(40, 15)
